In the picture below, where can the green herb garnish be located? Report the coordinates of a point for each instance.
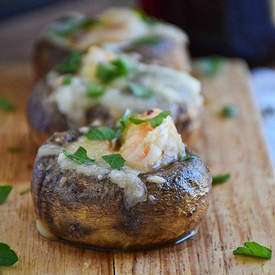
(145, 17)
(4, 192)
(211, 65)
(23, 192)
(146, 40)
(187, 157)
(253, 249)
(94, 90)
(6, 105)
(140, 91)
(67, 80)
(229, 111)
(116, 161)
(71, 26)
(102, 133)
(80, 156)
(220, 179)
(123, 122)
(15, 149)
(107, 72)
(155, 121)
(7, 256)
(70, 64)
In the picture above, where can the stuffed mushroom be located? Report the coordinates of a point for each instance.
(99, 86)
(133, 187)
(122, 29)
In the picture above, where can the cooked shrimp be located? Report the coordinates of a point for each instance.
(145, 148)
(116, 25)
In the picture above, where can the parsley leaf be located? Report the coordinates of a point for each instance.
(140, 91)
(69, 27)
(116, 161)
(4, 192)
(253, 249)
(229, 111)
(70, 64)
(7, 256)
(155, 121)
(211, 65)
(80, 156)
(187, 157)
(102, 133)
(146, 40)
(67, 80)
(123, 122)
(145, 17)
(6, 105)
(94, 90)
(23, 192)
(220, 179)
(107, 72)
(15, 149)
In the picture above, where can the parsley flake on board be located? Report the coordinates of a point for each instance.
(67, 80)
(23, 192)
(79, 156)
(253, 249)
(155, 121)
(229, 111)
(116, 161)
(107, 72)
(94, 90)
(15, 149)
(70, 64)
(7, 256)
(210, 66)
(6, 105)
(68, 28)
(103, 133)
(4, 192)
(218, 179)
(140, 91)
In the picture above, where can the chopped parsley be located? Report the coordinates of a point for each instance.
(253, 249)
(69, 27)
(144, 16)
(70, 64)
(94, 90)
(220, 179)
(107, 72)
(229, 111)
(6, 105)
(67, 80)
(7, 256)
(140, 91)
(155, 121)
(123, 122)
(103, 133)
(187, 157)
(80, 156)
(4, 192)
(15, 149)
(210, 66)
(23, 192)
(116, 161)
(146, 40)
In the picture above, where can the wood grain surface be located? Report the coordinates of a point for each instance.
(242, 209)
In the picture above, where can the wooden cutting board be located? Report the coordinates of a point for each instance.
(241, 210)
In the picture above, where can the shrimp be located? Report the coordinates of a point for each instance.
(145, 148)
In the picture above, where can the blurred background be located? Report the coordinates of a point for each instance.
(232, 28)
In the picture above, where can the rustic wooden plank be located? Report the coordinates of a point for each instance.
(241, 209)
(17, 219)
